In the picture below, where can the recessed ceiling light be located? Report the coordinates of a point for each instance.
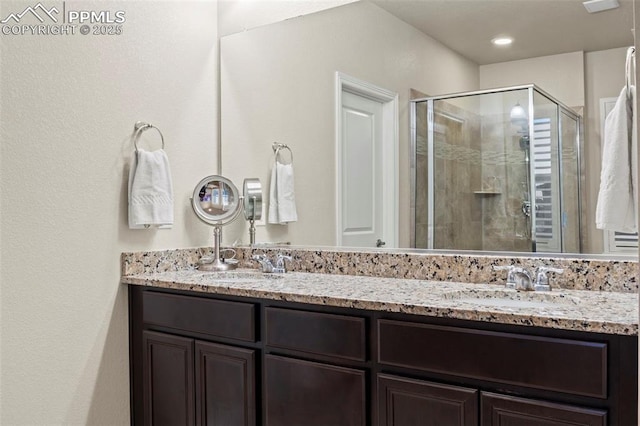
(502, 41)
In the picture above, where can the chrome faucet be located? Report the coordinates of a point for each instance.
(519, 278)
(522, 279)
(268, 266)
(265, 263)
(280, 267)
(542, 281)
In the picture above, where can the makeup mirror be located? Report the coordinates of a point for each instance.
(252, 192)
(217, 202)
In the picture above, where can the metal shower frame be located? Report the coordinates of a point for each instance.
(531, 88)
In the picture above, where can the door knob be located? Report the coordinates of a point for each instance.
(380, 243)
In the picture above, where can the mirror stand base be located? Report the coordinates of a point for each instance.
(216, 262)
(219, 265)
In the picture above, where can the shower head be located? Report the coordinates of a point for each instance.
(518, 116)
(524, 142)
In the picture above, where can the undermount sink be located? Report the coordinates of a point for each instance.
(504, 298)
(239, 276)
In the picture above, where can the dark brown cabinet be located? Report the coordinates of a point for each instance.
(312, 394)
(189, 382)
(318, 335)
(201, 359)
(502, 410)
(408, 402)
(180, 377)
(315, 392)
(168, 379)
(225, 385)
(541, 362)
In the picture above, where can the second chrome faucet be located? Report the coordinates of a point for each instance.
(279, 267)
(520, 278)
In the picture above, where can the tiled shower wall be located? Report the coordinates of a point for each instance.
(505, 227)
(458, 172)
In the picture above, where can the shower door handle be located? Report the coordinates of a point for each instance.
(380, 243)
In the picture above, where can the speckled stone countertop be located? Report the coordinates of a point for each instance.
(593, 311)
(579, 273)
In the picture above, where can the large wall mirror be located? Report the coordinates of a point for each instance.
(306, 81)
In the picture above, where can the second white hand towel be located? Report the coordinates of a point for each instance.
(150, 190)
(282, 200)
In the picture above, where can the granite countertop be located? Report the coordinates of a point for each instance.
(593, 311)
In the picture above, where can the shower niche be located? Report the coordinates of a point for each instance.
(496, 170)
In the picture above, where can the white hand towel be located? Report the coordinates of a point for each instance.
(616, 207)
(282, 201)
(150, 190)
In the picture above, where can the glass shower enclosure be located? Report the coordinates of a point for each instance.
(496, 170)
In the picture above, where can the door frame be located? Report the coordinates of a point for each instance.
(390, 142)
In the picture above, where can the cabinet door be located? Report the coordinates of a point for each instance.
(225, 385)
(168, 379)
(312, 394)
(407, 402)
(502, 410)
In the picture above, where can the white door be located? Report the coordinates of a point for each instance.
(361, 174)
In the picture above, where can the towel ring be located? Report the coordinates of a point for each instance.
(276, 146)
(141, 127)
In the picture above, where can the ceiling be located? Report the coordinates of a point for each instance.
(538, 27)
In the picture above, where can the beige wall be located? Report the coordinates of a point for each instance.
(562, 76)
(278, 85)
(68, 107)
(236, 16)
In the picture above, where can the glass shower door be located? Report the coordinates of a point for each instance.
(496, 170)
(545, 175)
(570, 172)
(477, 161)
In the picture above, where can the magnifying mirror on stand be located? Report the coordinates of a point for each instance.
(217, 202)
(252, 192)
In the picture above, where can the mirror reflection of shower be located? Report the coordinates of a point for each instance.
(496, 170)
(519, 119)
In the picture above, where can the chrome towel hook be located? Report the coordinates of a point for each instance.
(140, 127)
(630, 70)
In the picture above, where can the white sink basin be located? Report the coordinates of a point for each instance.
(503, 298)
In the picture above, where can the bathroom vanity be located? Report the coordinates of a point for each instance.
(321, 349)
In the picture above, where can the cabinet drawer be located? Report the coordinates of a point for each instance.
(509, 410)
(562, 365)
(315, 333)
(401, 401)
(305, 393)
(233, 320)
